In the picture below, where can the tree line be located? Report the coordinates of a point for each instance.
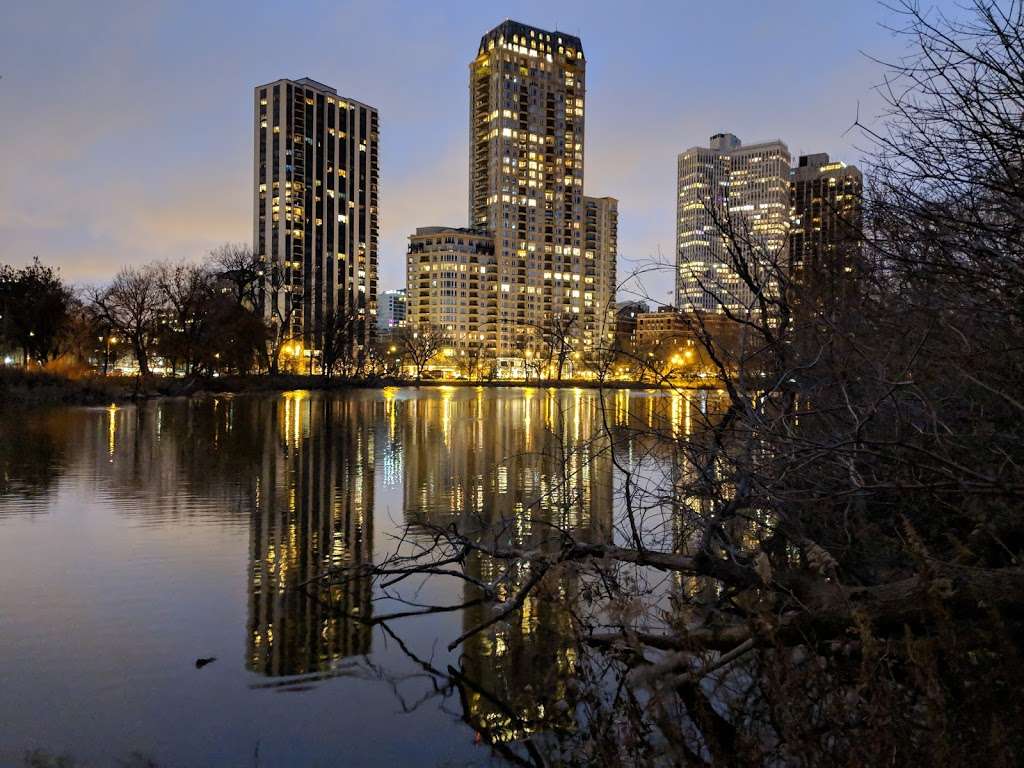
(216, 316)
(193, 319)
(197, 317)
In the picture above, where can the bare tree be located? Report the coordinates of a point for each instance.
(525, 342)
(558, 333)
(419, 346)
(339, 347)
(384, 358)
(237, 266)
(133, 306)
(284, 300)
(477, 362)
(187, 292)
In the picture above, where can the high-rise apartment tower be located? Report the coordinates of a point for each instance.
(826, 200)
(392, 309)
(315, 207)
(527, 102)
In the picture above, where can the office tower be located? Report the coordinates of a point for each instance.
(526, 91)
(732, 199)
(826, 212)
(392, 309)
(315, 208)
(451, 278)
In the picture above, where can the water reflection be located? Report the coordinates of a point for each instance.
(303, 475)
(522, 471)
(312, 510)
(33, 453)
(532, 463)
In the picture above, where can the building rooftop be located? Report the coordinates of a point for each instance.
(724, 143)
(509, 30)
(812, 166)
(308, 82)
(421, 231)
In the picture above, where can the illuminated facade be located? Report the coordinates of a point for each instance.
(315, 206)
(548, 463)
(526, 91)
(729, 187)
(452, 278)
(392, 309)
(663, 325)
(826, 200)
(600, 249)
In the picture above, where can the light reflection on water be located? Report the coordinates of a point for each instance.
(135, 539)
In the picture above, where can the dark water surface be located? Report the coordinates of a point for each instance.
(136, 539)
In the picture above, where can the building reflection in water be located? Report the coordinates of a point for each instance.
(297, 470)
(313, 511)
(511, 468)
(517, 469)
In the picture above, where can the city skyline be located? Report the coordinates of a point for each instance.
(120, 219)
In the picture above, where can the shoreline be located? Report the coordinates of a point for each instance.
(29, 388)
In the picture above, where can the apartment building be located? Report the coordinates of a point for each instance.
(527, 92)
(826, 210)
(315, 171)
(451, 277)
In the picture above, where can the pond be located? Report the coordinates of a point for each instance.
(136, 540)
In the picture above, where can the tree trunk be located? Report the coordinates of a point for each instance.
(143, 359)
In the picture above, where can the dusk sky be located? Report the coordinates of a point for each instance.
(126, 127)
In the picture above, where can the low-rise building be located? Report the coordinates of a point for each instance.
(666, 325)
(626, 313)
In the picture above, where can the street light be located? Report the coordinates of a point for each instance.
(106, 351)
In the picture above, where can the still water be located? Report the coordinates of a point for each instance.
(135, 540)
